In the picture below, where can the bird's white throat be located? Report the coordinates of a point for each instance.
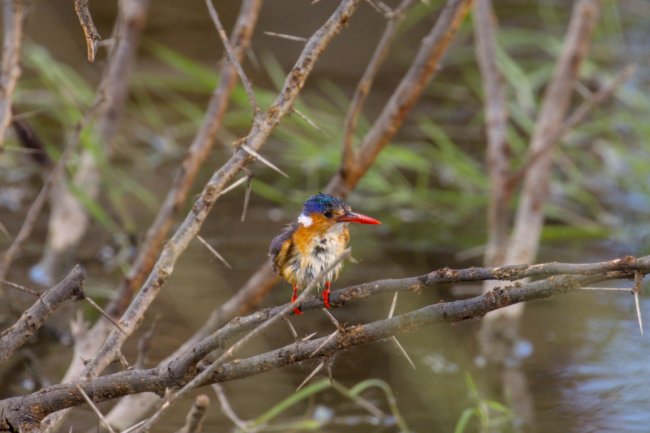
(305, 220)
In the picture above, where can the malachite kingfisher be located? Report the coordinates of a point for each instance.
(312, 244)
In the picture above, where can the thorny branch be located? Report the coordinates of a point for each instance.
(32, 319)
(26, 411)
(426, 62)
(188, 229)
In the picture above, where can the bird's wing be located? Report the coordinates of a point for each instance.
(281, 247)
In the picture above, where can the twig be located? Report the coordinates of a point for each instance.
(227, 409)
(285, 36)
(233, 59)
(234, 185)
(254, 140)
(213, 251)
(91, 34)
(21, 288)
(196, 415)
(32, 319)
(313, 373)
(409, 90)
(198, 152)
(310, 122)
(325, 341)
(403, 351)
(332, 318)
(291, 328)
(348, 157)
(496, 123)
(106, 316)
(13, 20)
(247, 195)
(95, 409)
(263, 160)
(394, 339)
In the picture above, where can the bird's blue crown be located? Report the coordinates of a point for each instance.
(322, 203)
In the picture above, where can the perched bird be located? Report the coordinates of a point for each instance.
(312, 244)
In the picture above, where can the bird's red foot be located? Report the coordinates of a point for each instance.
(294, 296)
(326, 295)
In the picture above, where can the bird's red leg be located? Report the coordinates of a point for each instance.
(326, 295)
(294, 296)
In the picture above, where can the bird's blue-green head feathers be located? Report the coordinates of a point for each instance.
(324, 204)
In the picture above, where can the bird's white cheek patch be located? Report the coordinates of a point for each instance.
(305, 220)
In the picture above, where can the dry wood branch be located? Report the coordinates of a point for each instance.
(256, 138)
(530, 213)
(26, 411)
(13, 18)
(496, 122)
(88, 25)
(426, 62)
(199, 150)
(348, 157)
(230, 52)
(32, 319)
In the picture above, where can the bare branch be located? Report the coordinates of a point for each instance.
(13, 15)
(213, 251)
(91, 34)
(25, 411)
(530, 215)
(425, 64)
(32, 319)
(254, 140)
(496, 120)
(233, 58)
(348, 157)
(285, 36)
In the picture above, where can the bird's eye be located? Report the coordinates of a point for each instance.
(328, 214)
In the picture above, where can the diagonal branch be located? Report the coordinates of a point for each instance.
(32, 319)
(349, 157)
(188, 229)
(13, 19)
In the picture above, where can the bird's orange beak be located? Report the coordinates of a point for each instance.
(353, 217)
